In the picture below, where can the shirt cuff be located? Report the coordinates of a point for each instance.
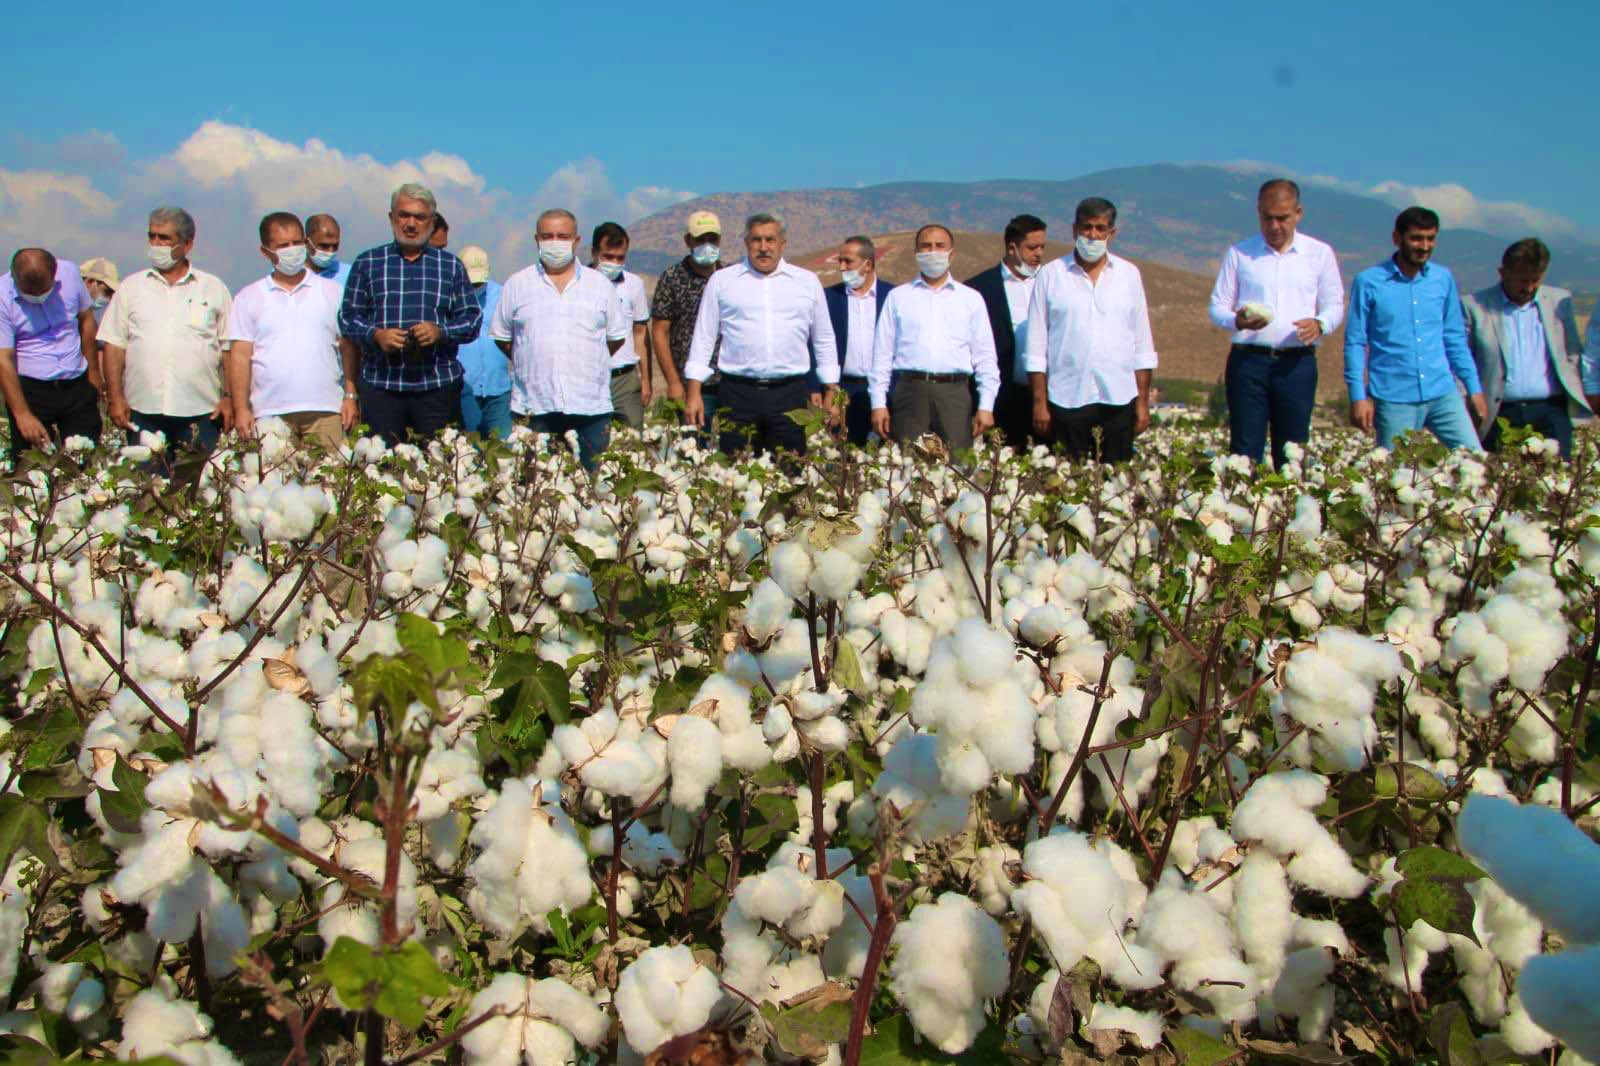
(879, 399)
(1144, 360)
(1034, 365)
(1357, 392)
(697, 373)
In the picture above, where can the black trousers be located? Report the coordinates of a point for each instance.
(393, 414)
(1075, 427)
(858, 412)
(759, 416)
(66, 407)
(1550, 417)
(1013, 415)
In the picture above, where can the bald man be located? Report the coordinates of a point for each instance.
(323, 237)
(51, 386)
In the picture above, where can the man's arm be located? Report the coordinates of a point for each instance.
(23, 421)
(1036, 357)
(707, 327)
(91, 349)
(236, 371)
(985, 360)
(617, 324)
(350, 361)
(462, 317)
(1144, 360)
(355, 308)
(661, 342)
(1589, 363)
(1356, 348)
(113, 361)
(1455, 342)
(1330, 295)
(824, 347)
(1223, 308)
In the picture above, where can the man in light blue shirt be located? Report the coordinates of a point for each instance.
(322, 235)
(486, 389)
(1405, 345)
(1524, 339)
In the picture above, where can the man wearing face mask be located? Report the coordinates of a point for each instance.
(409, 307)
(323, 237)
(286, 358)
(677, 302)
(771, 321)
(933, 343)
(1007, 290)
(486, 388)
(630, 367)
(1090, 357)
(50, 384)
(854, 305)
(560, 324)
(164, 334)
(100, 277)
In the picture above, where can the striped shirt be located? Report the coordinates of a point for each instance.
(386, 291)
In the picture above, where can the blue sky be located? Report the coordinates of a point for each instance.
(633, 105)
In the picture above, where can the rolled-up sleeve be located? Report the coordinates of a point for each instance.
(707, 326)
(114, 323)
(1224, 307)
(618, 325)
(1330, 294)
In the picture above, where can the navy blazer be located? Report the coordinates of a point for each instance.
(839, 314)
(992, 287)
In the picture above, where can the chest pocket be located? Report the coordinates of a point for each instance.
(201, 316)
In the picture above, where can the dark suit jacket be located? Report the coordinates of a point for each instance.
(839, 313)
(992, 287)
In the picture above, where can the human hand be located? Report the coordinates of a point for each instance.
(223, 413)
(1361, 414)
(244, 423)
(120, 413)
(982, 422)
(349, 413)
(880, 422)
(392, 341)
(1042, 426)
(694, 412)
(675, 391)
(29, 428)
(1141, 415)
(1248, 320)
(1309, 330)
(425, 334)
(1480, 406)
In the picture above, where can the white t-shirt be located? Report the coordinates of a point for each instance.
(636, 309)
(294, 366)
(560, 362)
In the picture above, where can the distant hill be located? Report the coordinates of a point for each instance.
(1188, 346)
(1180, 216)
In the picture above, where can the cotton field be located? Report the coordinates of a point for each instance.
(460, 753)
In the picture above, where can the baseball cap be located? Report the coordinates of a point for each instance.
(704, 222)
(101, 270)
(476, 260)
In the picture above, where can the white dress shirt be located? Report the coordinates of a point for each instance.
(769, 325)
(1300, 282)
(1089, 338)
(1019, 296)
(560, 363)
(862, 308)
(173, 335)
(294, 361)
(938, 331)
(636, 309)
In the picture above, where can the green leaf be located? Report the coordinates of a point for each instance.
(847, 668)
(442, 655)
(393, 982)
(1436, 863)
(894, 1043)
(59, 730)
(1421, 786)
(1450, 1032)
(23, 826)
(392, 682)
(808, 1023)
(673, 695)
(1197, 1048)
(1236, 550)
(1443, 903)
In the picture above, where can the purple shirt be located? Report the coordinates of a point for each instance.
(45, 336)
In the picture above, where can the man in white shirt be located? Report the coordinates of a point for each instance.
(933, 342)
(1090, 357)
(1278, 293)
(770, 317)
(164, 334)
(285, 357)
(1007, 291)
(630, 378)
(854, 305)
(560, 324)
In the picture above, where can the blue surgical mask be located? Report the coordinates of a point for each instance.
(1090, 251)
(706, 254)
(611, 270)
(555, 254)
(100, 302)
(31, 298)
(323, 260)
(853, 279)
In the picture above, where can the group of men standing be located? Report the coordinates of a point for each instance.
(410, 338)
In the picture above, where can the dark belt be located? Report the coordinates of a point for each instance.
(762, 383)
(923, 375)
(618, 371)
(1533, 403)
(55, 383)
(1267, 349)
(852, 379)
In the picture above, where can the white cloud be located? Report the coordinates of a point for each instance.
(80, 197)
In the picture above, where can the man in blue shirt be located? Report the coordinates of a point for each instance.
(486, 389)
(323, 236)
(1405, 344)
(409, 307)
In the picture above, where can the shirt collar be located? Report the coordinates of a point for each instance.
(866, 292)
(920, 280)
(1394, 268)
(578, 269)
(305, 279)
(1072, 263)
(783, 267)
(188, 276)
(1513, 307)
(1007, 272)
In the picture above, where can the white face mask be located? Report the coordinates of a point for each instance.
(161, 257)
(1090, 251)
(323, 260)
(706, 254)
(933, 264)
(609, 269)
(291, 260)
(1025, 271)
(555, 254)
(853, 279)
(31, 298)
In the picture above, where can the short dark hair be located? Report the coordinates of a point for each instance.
(608, 233)
(279, 218)
(1278, 185)
(440, 223)
(1094, 207)
(319, 223)
(1415, 218)
(33, 260)
(869, 251)
(933, 225)
(1018, 228)
(1530, 254)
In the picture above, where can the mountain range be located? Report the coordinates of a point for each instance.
(1182, 216)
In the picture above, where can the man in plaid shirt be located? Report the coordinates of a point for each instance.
(409, 307)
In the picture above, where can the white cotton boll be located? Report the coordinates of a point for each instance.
(662, 994)
(1182, 927)
(1307, 524)
(1145, 1026)
(694, 760)
(791, 568)
(13, 923)
(290, 754)
(649, 852)
(1539, 858)
(983, 654)
(1263, 914)
(154, 1024)
(990, 878)
(767, 610)
(1302, 991)
(836, 575)
(1277, 811)
(946, 1002)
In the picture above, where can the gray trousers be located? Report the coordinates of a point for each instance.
(627, 404)
(943, 408)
